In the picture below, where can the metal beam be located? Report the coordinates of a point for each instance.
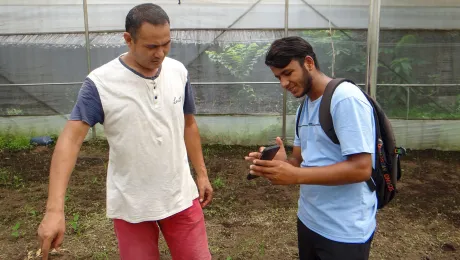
(88, 50)
(240, 82)
(286, 33)
(373, 47)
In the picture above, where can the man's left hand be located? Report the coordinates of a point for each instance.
(277, 172)
(205, 189)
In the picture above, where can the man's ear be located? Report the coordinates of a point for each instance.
(309, 63)
(128, 39)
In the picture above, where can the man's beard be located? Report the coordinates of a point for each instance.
(307, 82)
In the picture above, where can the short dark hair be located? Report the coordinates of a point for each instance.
(284, 50)
(149, 13)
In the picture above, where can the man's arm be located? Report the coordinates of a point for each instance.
(354, 127)
(357, 168)
(86, 113)
(64, 158)
(193, 144)
(296, 157)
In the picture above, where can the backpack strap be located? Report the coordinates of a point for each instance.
(298, 118)
(325, 117)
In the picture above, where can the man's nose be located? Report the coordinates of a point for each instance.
(284, 82)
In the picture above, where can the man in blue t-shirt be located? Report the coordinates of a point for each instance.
(336, 215)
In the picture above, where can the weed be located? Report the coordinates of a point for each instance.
(75, 224)
(15, 229)
(14, 142)
(218, 183)
(10, 180)
(100, 256)
(262, 249)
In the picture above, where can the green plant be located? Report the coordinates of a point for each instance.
(262, 249)
(218, 183)
(14, 142)
(18, 182)
(100, 256)
(9, 179)
(15, 228)
(14, 111)
(239, 58)
(74, 223)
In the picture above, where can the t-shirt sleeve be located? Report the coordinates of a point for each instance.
(189, 100)
(88, 107)
(354, 125)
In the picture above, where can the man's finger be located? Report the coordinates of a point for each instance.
(255, 154)
(57, 243)
(261, 148)
(208, 198)
(260, 170)
(46, 244)
(201, 191)
(266, 163)
(279, 142)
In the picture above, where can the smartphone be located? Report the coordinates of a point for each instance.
(267, 154)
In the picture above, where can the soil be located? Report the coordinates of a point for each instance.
(247, 219)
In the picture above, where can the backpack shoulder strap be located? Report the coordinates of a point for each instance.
(298, 118)
(325, 117)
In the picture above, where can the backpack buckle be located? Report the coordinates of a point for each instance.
(400, 150)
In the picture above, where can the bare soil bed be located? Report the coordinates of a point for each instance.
(247, 219)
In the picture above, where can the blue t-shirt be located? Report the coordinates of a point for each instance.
(343, 213)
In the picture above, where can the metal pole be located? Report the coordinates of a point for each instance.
(407, 103)
(373, 47)
(88, 53)
(286, 20)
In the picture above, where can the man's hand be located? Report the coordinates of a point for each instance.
(280, 155)
(277, 172)
(51, 232)
(205, 189)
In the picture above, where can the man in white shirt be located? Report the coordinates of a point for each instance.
(146, 105)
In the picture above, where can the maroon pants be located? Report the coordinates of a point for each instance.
(184, 232)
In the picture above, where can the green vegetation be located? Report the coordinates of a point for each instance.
(342, 53)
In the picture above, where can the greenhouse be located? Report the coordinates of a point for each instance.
(48, 47)
(404, 53)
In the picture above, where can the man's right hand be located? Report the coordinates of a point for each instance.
(51, 232)
(280, 155)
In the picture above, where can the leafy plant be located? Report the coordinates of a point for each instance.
(218, 183)
(15, 228)
(239, 58)
(74, 223)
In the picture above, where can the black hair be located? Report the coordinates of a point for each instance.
(284, 50)
(149, 13)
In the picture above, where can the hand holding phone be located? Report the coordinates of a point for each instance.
(267, 154)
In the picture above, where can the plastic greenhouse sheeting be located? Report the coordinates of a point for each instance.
(40, 16)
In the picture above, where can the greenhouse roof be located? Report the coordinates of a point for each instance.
(66, 16)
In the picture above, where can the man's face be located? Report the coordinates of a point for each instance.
(151, 45)
(294, 78)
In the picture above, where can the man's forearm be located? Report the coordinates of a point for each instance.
(293, 161)
(337, 174)
(194, 151)
(62, 164)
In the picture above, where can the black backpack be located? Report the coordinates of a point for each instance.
(387, 156)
